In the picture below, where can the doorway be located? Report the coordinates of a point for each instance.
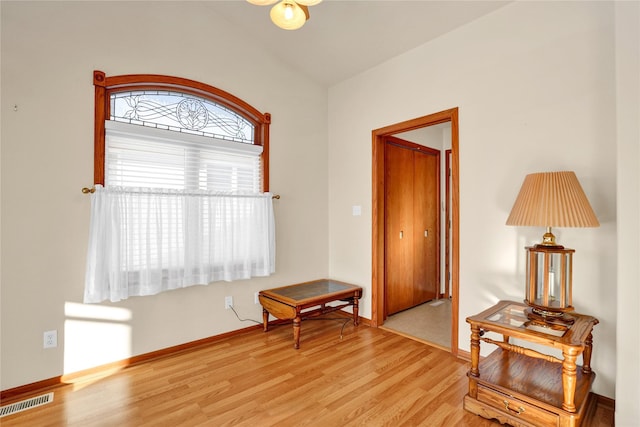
(379, 255)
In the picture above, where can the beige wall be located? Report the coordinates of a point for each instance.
(49, 51)
(628, 187)
(535, 87)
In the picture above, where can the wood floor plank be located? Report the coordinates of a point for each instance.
(340, 376)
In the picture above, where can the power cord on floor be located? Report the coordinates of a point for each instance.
(345, 321)
(243, 320)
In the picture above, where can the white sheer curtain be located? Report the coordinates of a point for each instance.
(143, 241)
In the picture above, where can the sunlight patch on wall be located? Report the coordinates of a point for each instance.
(95, 335)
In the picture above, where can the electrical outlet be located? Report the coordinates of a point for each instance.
(228, 302)
(50, 339)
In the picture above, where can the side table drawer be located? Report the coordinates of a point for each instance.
(517, 409)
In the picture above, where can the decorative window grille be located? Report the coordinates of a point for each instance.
(180, 112)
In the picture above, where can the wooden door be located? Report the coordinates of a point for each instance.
(426, 220)
(399, 233)
(411, 225)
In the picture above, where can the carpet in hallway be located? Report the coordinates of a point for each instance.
(429, 322)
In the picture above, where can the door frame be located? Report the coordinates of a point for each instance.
(447, 233)
(378, 210)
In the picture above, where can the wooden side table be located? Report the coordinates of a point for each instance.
(292, 302)
(521, 386)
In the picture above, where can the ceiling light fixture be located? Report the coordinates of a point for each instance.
(288, 14)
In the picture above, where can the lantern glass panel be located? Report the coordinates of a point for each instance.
(549, 278)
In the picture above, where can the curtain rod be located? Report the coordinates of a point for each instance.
(86, 190)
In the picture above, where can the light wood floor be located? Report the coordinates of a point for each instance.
(370, 377)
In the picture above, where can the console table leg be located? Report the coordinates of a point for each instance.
(475, 360)
(569, 369)
(265, 319)
(296, 332)
(586, 355)
(355, 311)
(475, 350)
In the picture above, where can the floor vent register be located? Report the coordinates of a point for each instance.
(23, 405)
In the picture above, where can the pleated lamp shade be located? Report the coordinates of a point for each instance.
(552, 199)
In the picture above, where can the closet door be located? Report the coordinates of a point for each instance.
(399, 233)
(426, 259)
(411, 226)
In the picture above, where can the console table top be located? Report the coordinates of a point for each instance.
(301, 292)
(509, 318)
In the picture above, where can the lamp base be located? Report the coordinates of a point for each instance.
(551, 319)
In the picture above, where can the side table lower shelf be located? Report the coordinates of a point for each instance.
(523, 391)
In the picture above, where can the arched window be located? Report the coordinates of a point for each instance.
(174, 111)
(181, 197)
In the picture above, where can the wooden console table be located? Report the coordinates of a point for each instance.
(289, 302)
(521, 386)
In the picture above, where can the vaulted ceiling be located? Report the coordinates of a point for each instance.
(344, 38)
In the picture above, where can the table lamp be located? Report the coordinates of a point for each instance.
(550, 199)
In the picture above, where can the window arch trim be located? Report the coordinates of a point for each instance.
(105, 86)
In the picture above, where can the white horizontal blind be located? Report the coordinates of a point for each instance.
(137, 156)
